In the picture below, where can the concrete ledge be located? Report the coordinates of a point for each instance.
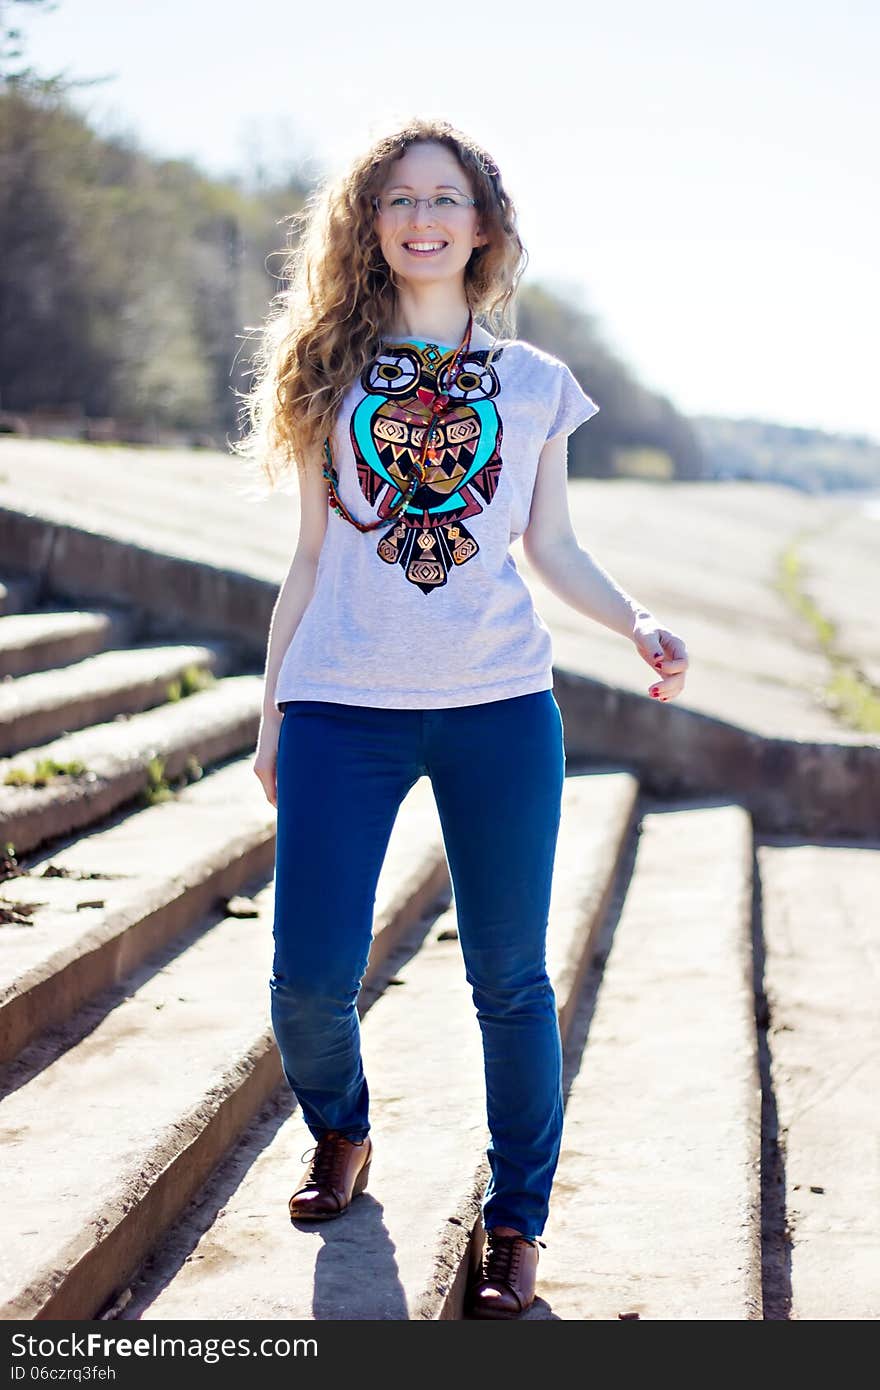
(209, 725)
(174, 595)
(17, 596)
(31, 643)
(791, 785)
(45, 705)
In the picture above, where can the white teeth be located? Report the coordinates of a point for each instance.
(424, 245)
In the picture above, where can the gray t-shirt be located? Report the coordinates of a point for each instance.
(431, 611)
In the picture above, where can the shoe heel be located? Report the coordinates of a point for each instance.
(361, 1179)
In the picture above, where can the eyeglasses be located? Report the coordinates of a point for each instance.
(402, 202)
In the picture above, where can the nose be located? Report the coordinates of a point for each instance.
(422, 215)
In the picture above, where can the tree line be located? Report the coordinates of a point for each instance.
(132, 286)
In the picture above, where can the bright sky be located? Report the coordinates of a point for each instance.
(699, 173)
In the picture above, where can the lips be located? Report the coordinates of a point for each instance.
(426, 248)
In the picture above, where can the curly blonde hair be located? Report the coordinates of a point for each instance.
(323, 329)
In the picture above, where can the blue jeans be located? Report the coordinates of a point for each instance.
(497, 772)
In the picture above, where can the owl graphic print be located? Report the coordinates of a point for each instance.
(431, 537)
(431, 611)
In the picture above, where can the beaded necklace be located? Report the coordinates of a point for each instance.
(438, 405)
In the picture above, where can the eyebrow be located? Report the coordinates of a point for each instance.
(409, 187)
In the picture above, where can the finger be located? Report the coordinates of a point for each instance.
(667, 690)
(651, 649)
(675, 648)
(662, 645)
(675, 658)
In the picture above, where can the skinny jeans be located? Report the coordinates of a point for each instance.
(497, 770)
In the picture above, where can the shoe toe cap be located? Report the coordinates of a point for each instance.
(494, 1300)
(313, 1203)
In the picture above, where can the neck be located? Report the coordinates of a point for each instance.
(423, 315)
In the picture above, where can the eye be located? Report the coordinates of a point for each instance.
(393, 374)
(401, 201)
(476, 382)
(444, 197)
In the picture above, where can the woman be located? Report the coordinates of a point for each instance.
(404, 643)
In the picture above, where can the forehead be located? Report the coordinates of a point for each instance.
(429, 163)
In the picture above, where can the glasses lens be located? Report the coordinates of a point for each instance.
(402, 202)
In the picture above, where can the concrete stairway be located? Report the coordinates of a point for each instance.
(150, 1143)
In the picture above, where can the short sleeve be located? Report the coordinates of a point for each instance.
(574, 406)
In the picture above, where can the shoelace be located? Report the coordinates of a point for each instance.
(326, 1165)
(503, 1255)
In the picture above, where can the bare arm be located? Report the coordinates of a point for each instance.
(553, 549)
(299, 583)
(292, 601)
(574, 575)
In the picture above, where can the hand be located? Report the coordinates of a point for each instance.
(664, 651)
(266, 760)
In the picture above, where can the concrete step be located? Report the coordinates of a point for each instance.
(822, 980)
(402, 1249)
(107, 1138)
(189, 734)
(40, 641)
(18, 593)
(656, 1205)
(94, 909)
(42, 706)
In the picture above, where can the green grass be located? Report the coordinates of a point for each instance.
(158, 787)
(8, 862)
(43, 772)
(191, 680)
(789, 583)
(848, 693)
(854, 700)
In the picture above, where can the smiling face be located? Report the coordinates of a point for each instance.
(422, 243)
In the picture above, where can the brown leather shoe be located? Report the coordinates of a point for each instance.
(505, 1286)
(337, 1172)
